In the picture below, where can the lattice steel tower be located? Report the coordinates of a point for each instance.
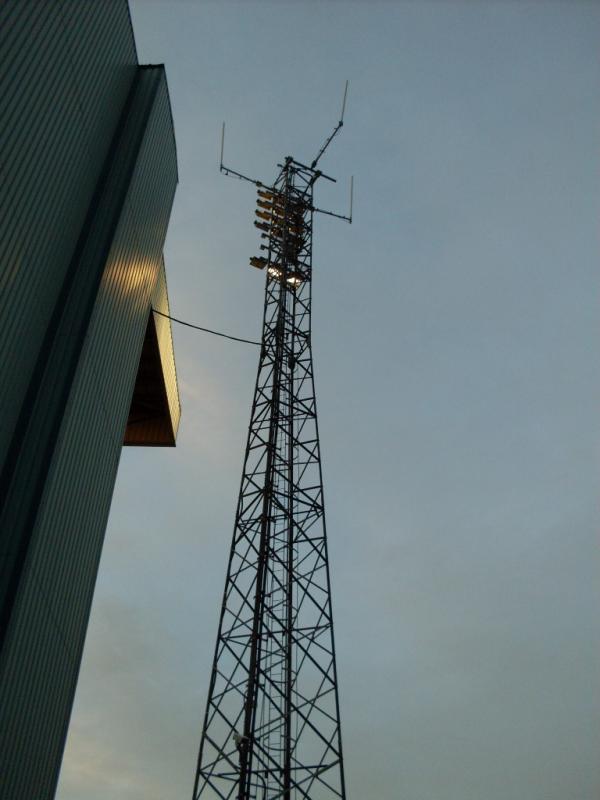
(272, 725)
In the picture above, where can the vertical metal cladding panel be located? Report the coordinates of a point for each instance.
(127, 289)
(52, 609)
(160, 301)
(66, 70)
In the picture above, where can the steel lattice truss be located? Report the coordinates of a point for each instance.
(272, 727)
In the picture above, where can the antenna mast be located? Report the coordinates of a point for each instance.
(272, 725)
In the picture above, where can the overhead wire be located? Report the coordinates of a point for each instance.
(206, 330)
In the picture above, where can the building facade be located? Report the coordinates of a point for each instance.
(87, 174)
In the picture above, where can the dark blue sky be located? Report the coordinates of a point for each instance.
(456, 345)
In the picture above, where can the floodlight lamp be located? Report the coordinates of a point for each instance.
(258, 262)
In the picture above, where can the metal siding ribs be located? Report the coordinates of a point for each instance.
(81, 234)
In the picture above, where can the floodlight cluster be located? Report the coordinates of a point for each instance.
(281, 222)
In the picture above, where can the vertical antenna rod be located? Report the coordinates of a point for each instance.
(335, 130)
(222, 147)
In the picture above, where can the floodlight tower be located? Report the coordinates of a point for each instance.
(272, 726)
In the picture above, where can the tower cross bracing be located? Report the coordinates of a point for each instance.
(272, 724)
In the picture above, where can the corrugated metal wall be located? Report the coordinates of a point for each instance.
(67, 68)
(160, 301)
(89, 57)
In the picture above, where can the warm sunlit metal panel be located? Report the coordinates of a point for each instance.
(83, 217)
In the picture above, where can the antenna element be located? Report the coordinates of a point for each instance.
(335, 130)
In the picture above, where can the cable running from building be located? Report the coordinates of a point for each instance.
(206, 330)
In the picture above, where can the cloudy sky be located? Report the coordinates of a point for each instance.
(456, 345)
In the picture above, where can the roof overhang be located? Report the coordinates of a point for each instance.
(154, 416)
